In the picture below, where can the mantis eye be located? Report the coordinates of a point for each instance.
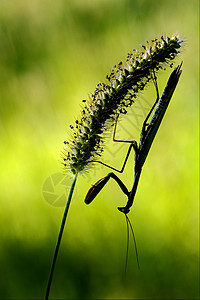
(124, 210)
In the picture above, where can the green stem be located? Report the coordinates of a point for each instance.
(60, 235)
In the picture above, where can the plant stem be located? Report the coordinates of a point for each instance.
(60, 235)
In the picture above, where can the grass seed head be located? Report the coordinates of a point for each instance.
(113, 97)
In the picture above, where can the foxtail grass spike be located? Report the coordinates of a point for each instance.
(114, 97)
(98, 113)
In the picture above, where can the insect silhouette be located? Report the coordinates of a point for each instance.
(113, 97)
(148, 133)
(102, 110)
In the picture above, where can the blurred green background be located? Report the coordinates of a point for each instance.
(52, 54)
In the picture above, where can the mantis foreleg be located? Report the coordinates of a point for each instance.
(97, 187)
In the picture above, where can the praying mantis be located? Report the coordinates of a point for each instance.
(148, 133)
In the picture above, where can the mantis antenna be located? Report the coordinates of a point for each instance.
(128, 223)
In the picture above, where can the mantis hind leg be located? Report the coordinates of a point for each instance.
(145, 123)
(154, 79)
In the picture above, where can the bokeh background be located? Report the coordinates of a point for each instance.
(52, 55)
